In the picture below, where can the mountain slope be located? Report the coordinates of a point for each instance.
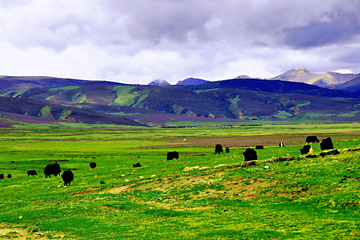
(243, 99)
(276, 86)
(57, 113)
(351, 86)
(228, 100)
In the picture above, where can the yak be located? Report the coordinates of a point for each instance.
(52, 169)
(31, 173)
(227, 149)
(93, 165)
(326, 144)
(259, 147)
(67, 177)
(250, 154)
(312, 139)
(172, 155)
(218, 149)
(306, 149)
(137, 165)
(2, 176)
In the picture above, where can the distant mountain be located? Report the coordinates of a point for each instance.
(192, 81)
(243, 77)
(159, 82)
(324, 79)
(276, 86)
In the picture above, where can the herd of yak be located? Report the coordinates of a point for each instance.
(249, 155)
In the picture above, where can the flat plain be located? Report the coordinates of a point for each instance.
(282, 195)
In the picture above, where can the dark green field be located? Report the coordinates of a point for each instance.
(283, 195)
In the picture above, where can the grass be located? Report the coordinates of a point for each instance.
(220, 199)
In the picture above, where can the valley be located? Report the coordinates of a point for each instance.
(282, 195)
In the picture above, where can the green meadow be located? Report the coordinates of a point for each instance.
(282, 195)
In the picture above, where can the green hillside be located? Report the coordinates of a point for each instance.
(11, 108)
(214, 103)
(231, 101)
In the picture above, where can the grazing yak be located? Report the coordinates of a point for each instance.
(2, 176)
(306, 149)
(172, 155)
(93, 165)
(52, 169)
(218, 149)
(137, 165)
(250, 154)
(9, 176)
(281, 144)
(31, 173)
(326, 144)
(67, 177)
(227, 149)
(259, 147)
(312, 139)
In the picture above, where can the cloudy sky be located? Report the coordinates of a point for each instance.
(138, 41)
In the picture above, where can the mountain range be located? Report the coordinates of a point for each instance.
(324, 79)
(331, 80)
(234, 101)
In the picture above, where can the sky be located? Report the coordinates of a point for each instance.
(138, 41)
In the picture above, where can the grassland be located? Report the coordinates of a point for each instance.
(198, 196)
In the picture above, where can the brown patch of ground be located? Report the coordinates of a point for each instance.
(117, 190)
(212, 183)
(9, 232)
(86, 191)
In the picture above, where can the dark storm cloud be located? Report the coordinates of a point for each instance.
(338, 28)
(167, 20)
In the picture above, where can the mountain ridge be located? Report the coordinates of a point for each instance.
(226, 100)
(323, 79)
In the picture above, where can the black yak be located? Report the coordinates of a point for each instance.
(137, 165)
(326, 144)
(312, 139)
(227, 150)
(306, 149)
(218, 149)
(172, 155)
(2, 176)
(52, 169)
(31, 173)
(9, 176)
(259, 147)
(250, 154)
(67, 177)
(93, 165)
